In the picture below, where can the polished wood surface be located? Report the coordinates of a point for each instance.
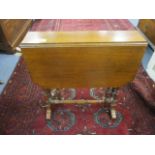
(12, 31)
(82, 37)
(91, 60)
(147, 26)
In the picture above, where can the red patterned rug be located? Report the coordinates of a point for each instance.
(80, 24)
(21, 112)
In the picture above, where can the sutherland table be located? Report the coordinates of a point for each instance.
(83, 59)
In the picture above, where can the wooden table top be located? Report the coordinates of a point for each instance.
(81, 37)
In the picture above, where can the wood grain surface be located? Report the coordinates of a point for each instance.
(80, 59)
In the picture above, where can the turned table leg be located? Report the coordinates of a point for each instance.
(48, 112)
(52, 95)
(110, 99)
(113, 113)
